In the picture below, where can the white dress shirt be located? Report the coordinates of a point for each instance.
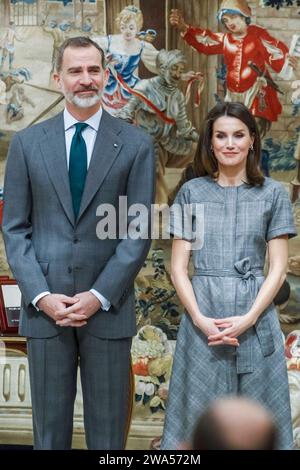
(89, 134)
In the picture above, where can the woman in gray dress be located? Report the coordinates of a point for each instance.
(229, 341)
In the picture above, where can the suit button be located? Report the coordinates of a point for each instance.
(69, 269)
(76, 240)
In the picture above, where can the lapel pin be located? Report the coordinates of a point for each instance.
(116, 146)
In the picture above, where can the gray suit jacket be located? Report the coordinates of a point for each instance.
(47, 249)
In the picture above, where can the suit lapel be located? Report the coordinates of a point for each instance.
(53, 149)
(106, 149)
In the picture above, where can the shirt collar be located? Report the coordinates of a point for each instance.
(93, 121)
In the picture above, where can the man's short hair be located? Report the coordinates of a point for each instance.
(76, 42)
(210, 432)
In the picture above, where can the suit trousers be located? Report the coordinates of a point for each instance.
(104, 370)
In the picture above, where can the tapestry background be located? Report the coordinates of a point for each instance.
(36, 28)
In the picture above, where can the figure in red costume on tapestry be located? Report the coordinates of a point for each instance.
(249, 51)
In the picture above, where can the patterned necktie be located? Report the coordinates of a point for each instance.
(77, 166)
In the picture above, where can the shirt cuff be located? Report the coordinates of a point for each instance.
(105, 304)
(37, 298)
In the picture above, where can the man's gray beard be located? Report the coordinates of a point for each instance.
(83, 102)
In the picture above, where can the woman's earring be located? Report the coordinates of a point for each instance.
(211, 148)
(251, 147)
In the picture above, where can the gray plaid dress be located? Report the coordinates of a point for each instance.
(238, 222)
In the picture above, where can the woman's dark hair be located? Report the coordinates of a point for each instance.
(205, 162)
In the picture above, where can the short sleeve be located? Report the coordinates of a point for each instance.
(181, 218)
(281, 221)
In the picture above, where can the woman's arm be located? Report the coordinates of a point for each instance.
(181, 251)
(278, 256)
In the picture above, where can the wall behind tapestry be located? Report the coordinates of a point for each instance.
(31, 31)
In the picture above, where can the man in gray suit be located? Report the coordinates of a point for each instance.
(77, 289)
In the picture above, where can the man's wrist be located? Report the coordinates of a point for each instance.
(39, 297)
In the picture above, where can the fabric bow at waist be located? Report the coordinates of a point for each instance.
(239, 271)
(249, 286)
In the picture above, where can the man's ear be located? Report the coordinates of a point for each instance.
(56, 77)
(106, 76)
